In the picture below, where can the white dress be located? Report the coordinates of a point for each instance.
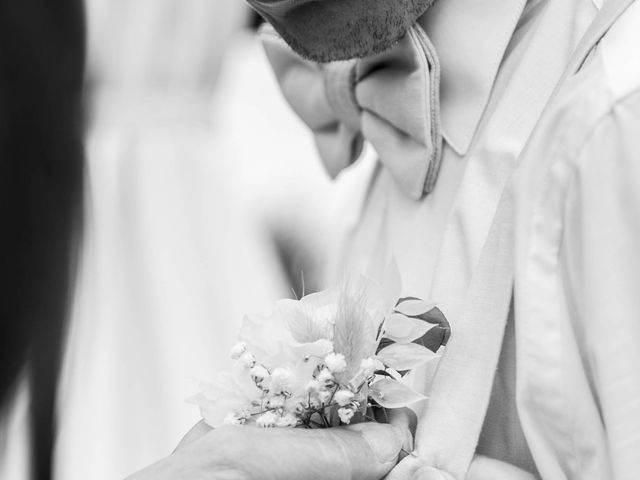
(174, 254)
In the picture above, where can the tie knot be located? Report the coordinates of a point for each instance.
(339, 83)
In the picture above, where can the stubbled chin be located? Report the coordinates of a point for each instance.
(330, 30)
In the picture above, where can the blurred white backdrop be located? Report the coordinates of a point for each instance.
(193, 157)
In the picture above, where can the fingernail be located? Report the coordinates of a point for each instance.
(384, 444)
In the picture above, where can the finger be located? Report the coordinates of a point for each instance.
(430, 473)
(413, 468)
(406, 469)
(483, 468)
(197, 431)
(372, 449)
(359, 452)
(406, 420)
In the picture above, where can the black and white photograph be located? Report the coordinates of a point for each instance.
(320, 240)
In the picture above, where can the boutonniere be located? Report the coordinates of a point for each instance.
(328, 358)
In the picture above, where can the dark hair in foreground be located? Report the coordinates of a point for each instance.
(41, 171)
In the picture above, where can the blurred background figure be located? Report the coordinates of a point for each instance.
(204, 202)
(41, 170)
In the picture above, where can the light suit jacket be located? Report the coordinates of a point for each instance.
(575, 199)
(499, 62)
(577, 267)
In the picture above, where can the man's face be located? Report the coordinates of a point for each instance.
(328, 30)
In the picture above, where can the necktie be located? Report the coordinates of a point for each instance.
(390, 99)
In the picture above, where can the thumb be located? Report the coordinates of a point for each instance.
(415, 468)
(199, 430)
(431, 473)
(372, 448)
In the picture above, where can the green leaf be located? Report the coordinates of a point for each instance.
(393, 394)
(414, 307)
(405, 356)
(403, 329)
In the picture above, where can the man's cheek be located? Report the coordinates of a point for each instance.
(329, 30)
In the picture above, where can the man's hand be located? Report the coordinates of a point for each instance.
(365, 451)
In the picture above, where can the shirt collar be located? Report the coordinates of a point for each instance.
(470, 37)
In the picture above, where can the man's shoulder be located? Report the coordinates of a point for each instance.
(584, 110)
(620, 54)
(609, 77)
(613, 67)
(608, 82)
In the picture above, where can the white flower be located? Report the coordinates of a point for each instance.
(314, 386)
(247, 360)
(325, 345)
(228, 392)
(343, 397)
(233, 419)
(287, 361)
(311, 318)
(297, 405)
(280, 380)
(259, 373)
(237, 350)
(335, 362)
(277, 401)
(267, 420)
(345, 414)
(368, 366)
(325, 376)
(287, 420)
(324, 396)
